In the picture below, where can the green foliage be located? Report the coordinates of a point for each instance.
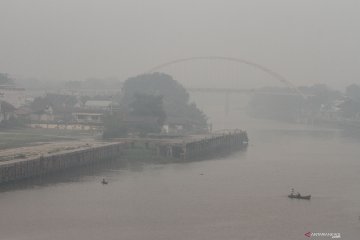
(155, 84)
(58, 102)
(350, 108)
(280, 104)
(145, 105)
(62, 105)
(5, 79)
(146, 113)
(353, 92)
(114, 126)
(273, 106)
(151, 100)
(73, 84)
(175, 99)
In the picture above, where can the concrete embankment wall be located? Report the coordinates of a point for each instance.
(21, 169)
(182, 149)
(216, 145)
(206, 146)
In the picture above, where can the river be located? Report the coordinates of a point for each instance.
(240, 196)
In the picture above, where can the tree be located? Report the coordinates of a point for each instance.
(62, 105)
(7, 117)
(73, 85)
(353, 92)
(6, 80)
(177, 108)
(114, 126)
(147, 113)
(350, 108)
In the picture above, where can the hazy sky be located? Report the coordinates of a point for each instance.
(308, 41)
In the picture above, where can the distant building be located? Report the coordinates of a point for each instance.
(98, 105)
(44, 115)
(23, 113)
(92, 112)
(88, 118)
(13, 95)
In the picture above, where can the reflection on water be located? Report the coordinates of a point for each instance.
(100, 169)
(66, 176)
(240, 196)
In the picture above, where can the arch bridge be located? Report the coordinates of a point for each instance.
(273, 74)
(227, 91)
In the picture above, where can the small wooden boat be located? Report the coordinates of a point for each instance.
(298, 195)
(104, 181)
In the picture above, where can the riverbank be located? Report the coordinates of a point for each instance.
(240, 194)
(27, 166)
(22, 137)
(25, 162)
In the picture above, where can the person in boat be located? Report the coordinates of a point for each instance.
(104, 181)
(293, 192)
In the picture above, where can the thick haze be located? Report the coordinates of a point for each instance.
(309, 41)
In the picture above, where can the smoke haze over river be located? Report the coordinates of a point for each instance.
(65, 64)
(241, 196)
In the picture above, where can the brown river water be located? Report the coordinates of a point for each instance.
(239, 196)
